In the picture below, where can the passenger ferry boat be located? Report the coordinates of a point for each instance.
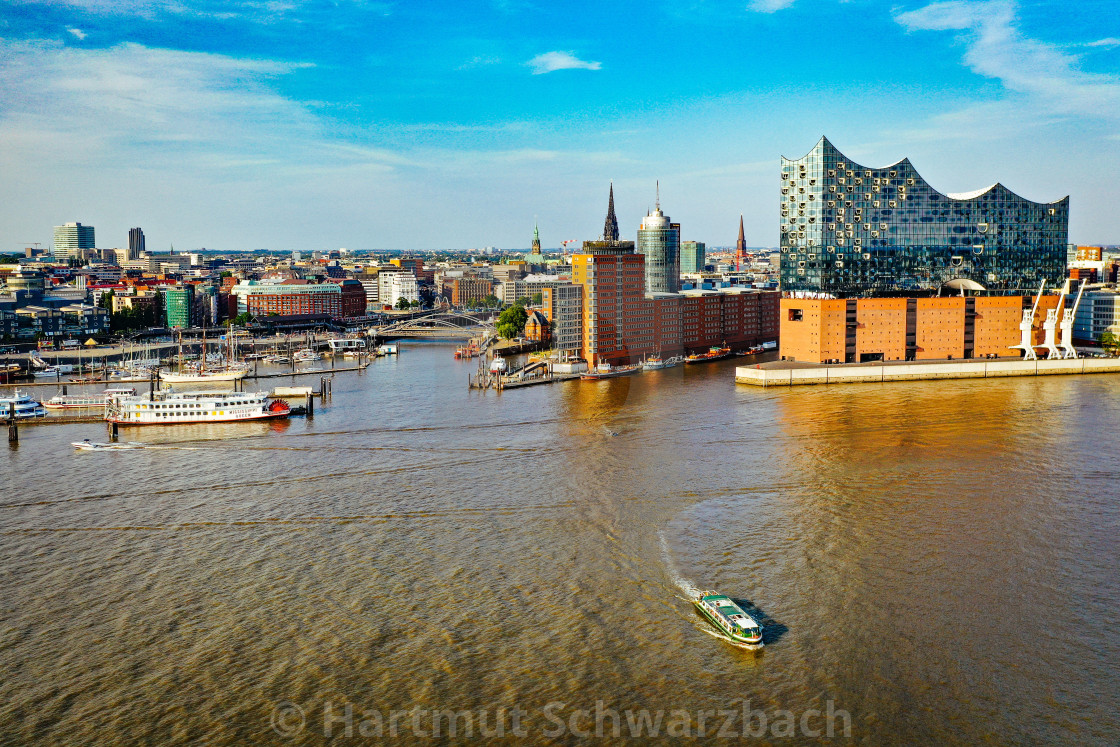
(21, 406)
(79, 401)
(729, 619)
(172, 408)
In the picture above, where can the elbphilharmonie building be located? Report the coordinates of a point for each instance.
(850, 230)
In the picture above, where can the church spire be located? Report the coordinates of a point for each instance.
(740, 245)
(536, 239)
(610, 227)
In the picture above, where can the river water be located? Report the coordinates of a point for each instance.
(935, 562)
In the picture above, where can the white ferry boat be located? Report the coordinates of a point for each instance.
(730, 619)
(21, 406)
(80, 401)
(172, 408)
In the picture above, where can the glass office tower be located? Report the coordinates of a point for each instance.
(692, 256)
(850, 230)
(660, 240)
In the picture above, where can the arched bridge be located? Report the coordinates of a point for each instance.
(439, 324)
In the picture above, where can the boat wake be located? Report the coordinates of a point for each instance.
(689, 589)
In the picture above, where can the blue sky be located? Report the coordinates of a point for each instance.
(315, 124)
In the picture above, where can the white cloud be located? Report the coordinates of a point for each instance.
(552, 61)
(769, 6)
(1110, 41)
(995, 48)
(77, 33)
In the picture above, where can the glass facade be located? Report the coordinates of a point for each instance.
(692, 256)
(851, 230)
(660, 241)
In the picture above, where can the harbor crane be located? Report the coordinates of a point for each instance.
(1026, 328)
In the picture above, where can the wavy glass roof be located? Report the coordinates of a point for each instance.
(850, 229)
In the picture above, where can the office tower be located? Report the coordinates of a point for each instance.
(740, 247)
(609, 243)
(659, 240)
(849, 230)
(135, 243)
(692, 256)
(72, 240)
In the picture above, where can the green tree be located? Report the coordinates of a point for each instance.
(1109, 342)
(523, 301)
(538, 298)
(491, 302)
(243, 319)
(403, 304)
(106, 301)
(511, 322)
(415, 304)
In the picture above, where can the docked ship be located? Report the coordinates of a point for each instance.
(713, 354)
(607, 371)
(20, 406)
(656, 362)
(172, 408)
(730, 619)
(202, 376)
(85, 401)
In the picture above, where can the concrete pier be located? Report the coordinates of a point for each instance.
(800, 374)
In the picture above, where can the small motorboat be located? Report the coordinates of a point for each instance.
(87, 445)
(729, 618)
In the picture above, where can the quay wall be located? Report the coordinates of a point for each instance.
(846, 374)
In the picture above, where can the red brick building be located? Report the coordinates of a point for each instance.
(621, 324)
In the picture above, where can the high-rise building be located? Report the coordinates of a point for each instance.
(692, 256)
(659, 240)
(179, 304)
(848, 230)
(72, 240)
(135, 243)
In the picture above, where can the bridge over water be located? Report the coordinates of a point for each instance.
(439, 324)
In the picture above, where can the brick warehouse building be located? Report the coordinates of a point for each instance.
(853, 330)
(621, 324)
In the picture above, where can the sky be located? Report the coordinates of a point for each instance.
(322, 124)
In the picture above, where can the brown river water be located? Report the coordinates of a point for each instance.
(934, 563)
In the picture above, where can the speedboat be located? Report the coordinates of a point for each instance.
(87, 445)
(730, 619)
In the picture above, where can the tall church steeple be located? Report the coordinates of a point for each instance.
(740, 245)
(536, 239)
(610, 227)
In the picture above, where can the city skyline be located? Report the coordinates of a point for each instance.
(384, 126)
